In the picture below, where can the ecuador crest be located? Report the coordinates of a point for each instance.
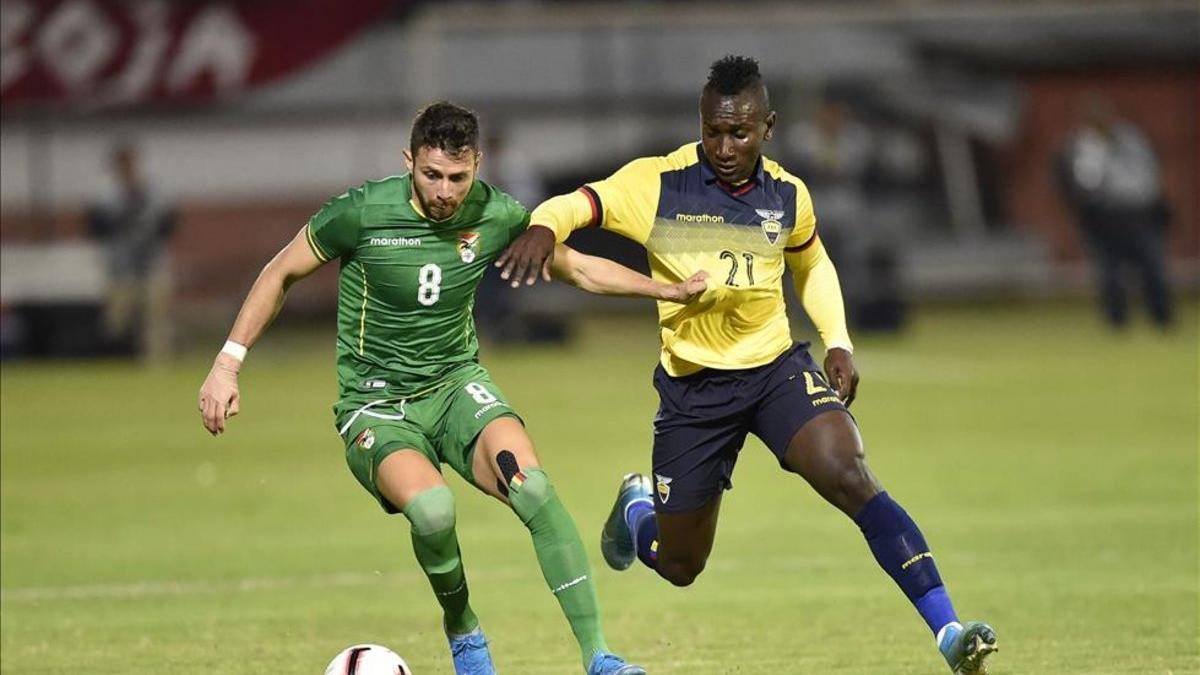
(771, 226)
(468, 246)
(663, 485)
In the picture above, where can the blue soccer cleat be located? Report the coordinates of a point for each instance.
(616, 541)
(604, 663)
(470, 654)
(967, 647)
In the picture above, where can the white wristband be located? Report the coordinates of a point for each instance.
(235, 350)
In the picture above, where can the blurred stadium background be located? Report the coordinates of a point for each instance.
(1051, 458)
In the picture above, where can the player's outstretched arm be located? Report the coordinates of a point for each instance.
(817, 286)
(219, 397)
(551, 222)
(605, 277)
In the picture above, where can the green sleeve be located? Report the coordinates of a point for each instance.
(332, 232)
(519, 220)
(509, 214)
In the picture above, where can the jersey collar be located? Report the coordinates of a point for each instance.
(709, 176)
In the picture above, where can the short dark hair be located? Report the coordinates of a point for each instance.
(445, 126)
(731, 75)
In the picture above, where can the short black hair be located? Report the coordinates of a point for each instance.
(445, 126)
(731, 75)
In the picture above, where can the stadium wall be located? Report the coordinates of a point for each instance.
(1165, 104)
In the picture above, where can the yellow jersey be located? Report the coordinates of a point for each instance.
(688, 220)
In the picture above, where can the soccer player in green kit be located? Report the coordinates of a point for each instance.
(413, 395)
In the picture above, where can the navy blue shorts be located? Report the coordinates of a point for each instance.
(703, 419)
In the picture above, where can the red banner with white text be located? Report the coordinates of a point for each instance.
(97, 53)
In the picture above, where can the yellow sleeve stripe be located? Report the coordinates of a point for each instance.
(312, 243)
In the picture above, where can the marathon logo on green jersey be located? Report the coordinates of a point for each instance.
(366, 439)
(394, 241)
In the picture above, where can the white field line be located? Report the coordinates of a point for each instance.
(482, 574)
(166, 588)
(145, 589)
(142, 589)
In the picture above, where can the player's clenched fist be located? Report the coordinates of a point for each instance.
(842, 374)
(688, 290)
(219, 399)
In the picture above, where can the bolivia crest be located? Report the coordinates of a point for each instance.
(366, 439)
(771, 226)
(468, 246)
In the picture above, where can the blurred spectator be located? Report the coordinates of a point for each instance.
(1110, 175)
(507, 166)
(834, 154)
(13, 333)
(134, 224)
(502, 315)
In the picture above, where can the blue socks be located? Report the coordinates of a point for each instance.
(901, 551)
(644, 528)
(895, 540)
(936, 609)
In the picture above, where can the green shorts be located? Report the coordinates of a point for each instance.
(441, 424)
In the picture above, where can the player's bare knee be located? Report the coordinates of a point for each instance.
(854, 486)
(681, 576)
(680, 572)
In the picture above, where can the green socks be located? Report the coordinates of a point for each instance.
(436, 545)
(559, 551)
(560, 554)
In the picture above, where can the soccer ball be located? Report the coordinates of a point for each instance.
(368, 660)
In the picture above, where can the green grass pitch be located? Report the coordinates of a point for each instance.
(1052, 466)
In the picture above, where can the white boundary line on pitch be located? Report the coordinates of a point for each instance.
(489, 574)
(141, 589)
(145, 589)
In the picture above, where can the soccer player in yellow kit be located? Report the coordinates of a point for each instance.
(729, 366)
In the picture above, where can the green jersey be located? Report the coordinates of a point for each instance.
(407, 283)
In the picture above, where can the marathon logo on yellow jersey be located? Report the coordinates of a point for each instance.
(699, 218)
(468, 246)
(771, 226)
